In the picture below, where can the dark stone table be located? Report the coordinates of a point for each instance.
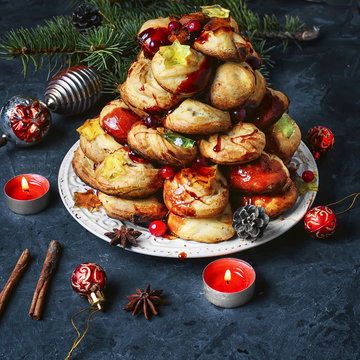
(307, 296)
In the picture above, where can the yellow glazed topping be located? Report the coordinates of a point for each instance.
(175, 54)
(90, 129)
(215, 11)
(113, 166)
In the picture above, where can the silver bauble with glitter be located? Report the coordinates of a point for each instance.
(24, 120)
(73, 91)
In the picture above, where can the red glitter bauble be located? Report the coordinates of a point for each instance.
(320, 222)
(320, 140)
(89, 279)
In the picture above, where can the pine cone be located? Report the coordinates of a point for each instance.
(250, 221)
(86, 17)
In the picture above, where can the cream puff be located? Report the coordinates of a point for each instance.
(207, 230)
(197, 192)
(120, 174)
(274, 204)
(180, 69)
(95, 142)
(270, 110)
(221, 41)
(135, 210)
(283, 138)
(124, 174)
(142, 91)
(239, 145)
(195, 117)
(255, 99)
(160, 145)
(263, 175)
(233, 84)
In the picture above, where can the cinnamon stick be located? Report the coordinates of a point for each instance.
(46, 274)
(14, 278)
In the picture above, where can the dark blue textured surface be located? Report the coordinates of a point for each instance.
(309, 308)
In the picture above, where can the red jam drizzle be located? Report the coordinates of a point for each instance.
(197, 80)
(118, 123)
(136, 159)
(217, 147)
(203, 38)
(269, 111)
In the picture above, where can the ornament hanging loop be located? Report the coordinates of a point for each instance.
(354, 195)
(80, 337)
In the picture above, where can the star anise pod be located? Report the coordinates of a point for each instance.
(125, 237)
(145, 300)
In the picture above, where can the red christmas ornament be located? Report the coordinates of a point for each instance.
(320, 222)
(320, 140)
(89, 279)
(25, 120)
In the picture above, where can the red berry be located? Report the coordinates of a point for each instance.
(167, 172)
(152, 121)
(157, 228)
(174, 25)
(151, 39)
(308, 176)
(194, 26)
(201, 161)
(254, 62)
(238, 115)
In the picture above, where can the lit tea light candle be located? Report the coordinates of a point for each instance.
(229, 282)
(27, 194)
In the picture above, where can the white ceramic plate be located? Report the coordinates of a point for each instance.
(99, 223)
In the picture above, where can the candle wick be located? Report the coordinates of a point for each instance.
(227, 281)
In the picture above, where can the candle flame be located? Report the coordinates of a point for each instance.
(227, 276)
(24, 184)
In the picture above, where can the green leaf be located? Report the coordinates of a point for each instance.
(178, 140)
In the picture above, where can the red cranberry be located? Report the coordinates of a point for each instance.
(308, 176)
(201, 161)
(238, 115)
(152, 121)
(194, 26)
(151, 39)
(167, 172)
(254, 62)
(154, 45)
(174, 25)
(157, 228)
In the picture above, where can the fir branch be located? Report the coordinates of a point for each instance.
(56, 40)
(102, 47)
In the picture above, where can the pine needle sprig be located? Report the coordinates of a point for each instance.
(48, 42)
(102, 47)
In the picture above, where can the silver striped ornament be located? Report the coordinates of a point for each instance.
(73, 91)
